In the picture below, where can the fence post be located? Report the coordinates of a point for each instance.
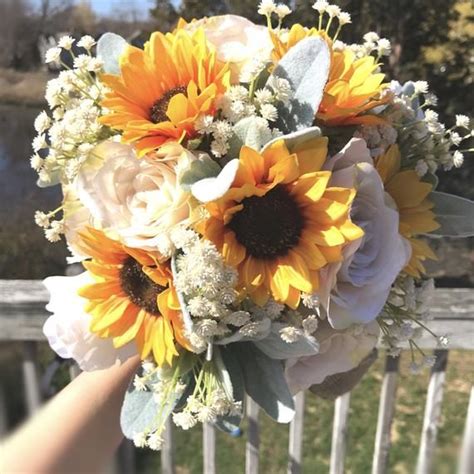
(31, 377)
(253, 439)
(385, 416)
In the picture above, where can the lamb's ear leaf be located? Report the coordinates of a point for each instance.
(141, 413)
(276, 348)
(295, 139)
(454, 214)
(187, 321)
(432, 179)
(54, 179)
(203, 167)
(265, 382)
(109, 49)
(249, 131)
(306, 67)
(230, 374)
(214, 187)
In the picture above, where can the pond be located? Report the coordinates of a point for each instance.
(24, 252)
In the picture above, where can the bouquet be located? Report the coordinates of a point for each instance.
(251, 206)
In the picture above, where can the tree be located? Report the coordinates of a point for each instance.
(165, 15)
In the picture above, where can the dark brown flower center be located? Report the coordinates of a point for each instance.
(268, 226)
(158, 109)
(139, 287)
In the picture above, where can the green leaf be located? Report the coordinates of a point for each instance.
(249, 131)
(203, 167)
(265, 382)
(54, 176)
(188, 322)
(455, 215)
(276, 348)
(306, 67)
(214, 187)
(140, 412)
(294, 139)
(432, 179)
(109, 48)
(230, 374)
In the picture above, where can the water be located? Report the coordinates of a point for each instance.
(24, 253)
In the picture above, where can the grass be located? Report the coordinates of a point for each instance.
(362, 422)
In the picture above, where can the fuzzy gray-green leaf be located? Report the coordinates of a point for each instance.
(109, 48)
(454, 214)
(265, 382)
(306, 68)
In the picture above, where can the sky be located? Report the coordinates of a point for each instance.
(105, 7)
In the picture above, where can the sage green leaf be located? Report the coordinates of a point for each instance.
(109, 49)
(276, 348)
(455, 215)
(187, 321)
(432, 179)
(265, 382)
(249, 131)
(203, 167)
(141, 413)
(295, 139)
(54, 179)
(214, 187)
(230, 374)
(306, 67)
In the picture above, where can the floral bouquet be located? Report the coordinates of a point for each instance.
(250, 205)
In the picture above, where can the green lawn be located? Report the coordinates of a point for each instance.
(363, 417)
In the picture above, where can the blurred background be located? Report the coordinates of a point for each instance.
(431, 40)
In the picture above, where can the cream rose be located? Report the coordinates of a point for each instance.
(141, 200)
(237, 40)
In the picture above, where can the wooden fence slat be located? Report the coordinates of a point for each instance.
(209, 448)
(339, 433)
(31, 377)
(434, 399)
(295, 449)
(466, 463)
(385, 417)
(22, 314)
(167, 450)
(74, 370)
(253, 438)
(126, 457)
(3, 412)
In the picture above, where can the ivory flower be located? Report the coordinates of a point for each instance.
(238, 41)
(339, 351)
(67, 329)
(139, 199)
(362, 281)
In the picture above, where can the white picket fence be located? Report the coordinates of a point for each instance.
(22, 315)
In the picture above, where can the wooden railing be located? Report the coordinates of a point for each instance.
(22, 315)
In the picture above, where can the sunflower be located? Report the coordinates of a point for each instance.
(164, 88)
(279, 223)
(132, 298)
(353, 87)
(410, 195)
